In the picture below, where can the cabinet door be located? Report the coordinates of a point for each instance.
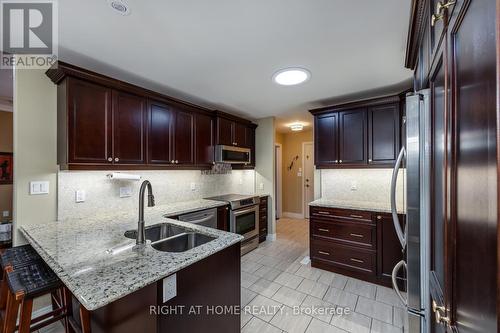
(383, 134)
(184, 137)
(225, 130)
(389, 248)
(160, 133)
(129, 128)
(240, 135)
(352, 139)
(204, 148)
(89, 119)
(326, 139)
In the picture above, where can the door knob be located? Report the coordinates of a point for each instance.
(117, 159)
(110, 159)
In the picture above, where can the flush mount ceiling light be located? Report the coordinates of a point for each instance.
(291, 76)
(297, 127)
(120, 7)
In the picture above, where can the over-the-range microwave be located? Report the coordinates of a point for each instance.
(232, 155)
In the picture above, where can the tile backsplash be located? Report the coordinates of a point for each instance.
(371, 185)
(103, 195)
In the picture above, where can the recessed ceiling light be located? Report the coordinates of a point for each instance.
(291, 76)
(120, 7)
(296, 127)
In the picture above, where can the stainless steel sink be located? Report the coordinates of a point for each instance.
(182, 242)
(169, 238)
(158, 232)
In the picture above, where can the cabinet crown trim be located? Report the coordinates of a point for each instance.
(359, 104)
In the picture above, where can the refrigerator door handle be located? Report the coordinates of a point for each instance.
(394, 181)
(395, 271)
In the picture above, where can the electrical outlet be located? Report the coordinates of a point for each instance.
(240, 181)
(354, 186)
(80, 196)
(193, 186)
(261, 186)
(6, 213)
(169, 287)
(39, 187)
(125, 192)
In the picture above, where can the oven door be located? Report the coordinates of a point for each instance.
(245, 221)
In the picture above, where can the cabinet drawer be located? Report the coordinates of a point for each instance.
(345, 257)
(341, 214)
(355, 234)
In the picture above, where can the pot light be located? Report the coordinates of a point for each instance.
(297, 127)
(120, 7)
(291, 76)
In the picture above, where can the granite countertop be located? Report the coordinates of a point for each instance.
(359, 205)
(79, 252)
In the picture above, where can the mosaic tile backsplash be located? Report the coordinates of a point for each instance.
(103, 194)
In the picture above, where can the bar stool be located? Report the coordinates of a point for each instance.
(25, 284)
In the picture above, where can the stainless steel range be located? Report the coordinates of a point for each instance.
(244, 218)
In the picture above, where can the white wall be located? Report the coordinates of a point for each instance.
(35, 127)
(373, 185)
(102, 194)
(265, 166)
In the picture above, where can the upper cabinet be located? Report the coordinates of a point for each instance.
(360, 134)
(106, 124)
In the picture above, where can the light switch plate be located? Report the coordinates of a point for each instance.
(125, 192)
(240, 181)
(169, 287)
(354, 186)
(261, 186)
(193, 186)
(80, 196)
(39, 187)
(5, 213)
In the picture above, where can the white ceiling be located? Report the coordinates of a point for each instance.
(223, 53)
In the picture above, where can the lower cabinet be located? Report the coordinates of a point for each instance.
(223, 218)
(263, 219)
(360, 244)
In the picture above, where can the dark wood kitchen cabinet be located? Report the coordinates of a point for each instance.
(357, 243)
(223, 218)
(326, 138)
(129, 128)
(107, 124)
(263, 218)
(361, 134)
(161, 123)
(383, 133)
(352, 137)
(89, 113)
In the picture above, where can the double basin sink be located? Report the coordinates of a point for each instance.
(166, 237)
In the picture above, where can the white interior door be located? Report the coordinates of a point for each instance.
(308, 179)
(278, 173)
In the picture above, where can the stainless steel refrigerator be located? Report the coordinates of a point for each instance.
(413, 165)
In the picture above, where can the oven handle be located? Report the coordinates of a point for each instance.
(242, 212)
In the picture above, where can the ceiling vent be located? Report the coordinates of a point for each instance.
(120, 7)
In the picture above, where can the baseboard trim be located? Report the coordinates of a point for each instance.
(293, 215)
(271, 237)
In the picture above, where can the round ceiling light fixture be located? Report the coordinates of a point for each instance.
(291, 76)
(120, 7)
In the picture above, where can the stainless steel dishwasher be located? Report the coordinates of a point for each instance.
(207, 218)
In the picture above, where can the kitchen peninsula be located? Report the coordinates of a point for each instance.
(120, 285)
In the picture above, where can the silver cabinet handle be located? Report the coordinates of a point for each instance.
(176, 161)
(336, 161)
(394, 181)
(110, 159)
(172, 161)
(395, 271)
(356, 216)
(357, 235)
(324, 230)
(340, 161)
(117, 159)
(357, 260)
(369, 160)
(323, 212)
(379, 217)
(324, 253)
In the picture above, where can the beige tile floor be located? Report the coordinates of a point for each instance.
(274, 283)
(275, 286)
